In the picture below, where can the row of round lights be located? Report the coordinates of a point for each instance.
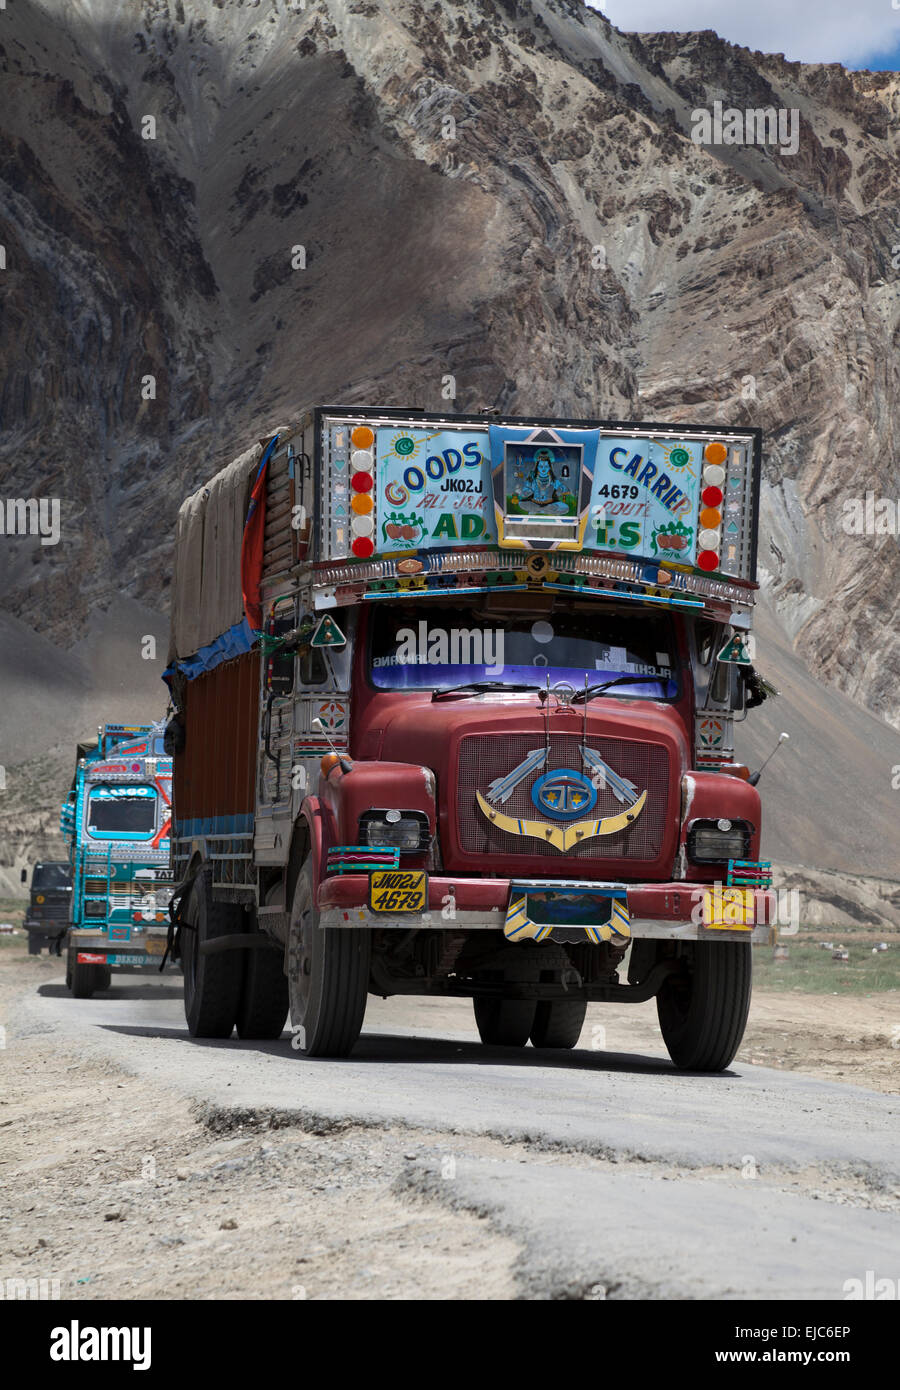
(362, 483)
(709, 541)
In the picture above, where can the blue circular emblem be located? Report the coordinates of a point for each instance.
(564, 794)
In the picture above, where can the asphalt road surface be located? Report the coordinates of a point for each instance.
(624, 1177)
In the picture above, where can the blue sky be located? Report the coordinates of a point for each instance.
(857, 33)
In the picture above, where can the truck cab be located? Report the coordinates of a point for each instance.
(478, 697)
(49, 904)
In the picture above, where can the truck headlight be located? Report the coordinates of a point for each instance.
(390, 829)
(95, 909)
(708, 843)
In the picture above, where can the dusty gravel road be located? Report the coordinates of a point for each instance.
(136, 1162)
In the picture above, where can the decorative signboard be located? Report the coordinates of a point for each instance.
(432, 489)
(398, 489)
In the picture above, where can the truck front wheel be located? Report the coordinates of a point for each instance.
(212, 983)
(703, 1009)
(328, 977)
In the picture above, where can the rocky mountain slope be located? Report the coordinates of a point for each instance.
(501, 191)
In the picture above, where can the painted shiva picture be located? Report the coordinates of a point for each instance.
(541, 480)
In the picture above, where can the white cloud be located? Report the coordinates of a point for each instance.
(808, 31)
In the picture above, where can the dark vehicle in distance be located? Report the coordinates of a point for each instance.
(47, 915)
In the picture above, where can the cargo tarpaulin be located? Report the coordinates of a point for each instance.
(252, 542)
(209, 624)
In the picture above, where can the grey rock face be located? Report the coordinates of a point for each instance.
(357, 202)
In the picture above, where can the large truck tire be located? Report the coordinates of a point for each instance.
(84, 980)
(703, 1010)
(264, 1001)
(504, 1022)
(558, 1022)
(328, 977)
(212, 983)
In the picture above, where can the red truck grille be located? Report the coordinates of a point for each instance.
(484, 757)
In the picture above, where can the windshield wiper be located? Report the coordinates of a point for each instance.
(581, 696)
(476, 687)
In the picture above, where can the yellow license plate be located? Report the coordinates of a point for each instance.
(156, 945)
(729, 909)
(398, 890)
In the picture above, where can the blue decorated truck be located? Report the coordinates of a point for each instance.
(116, 820)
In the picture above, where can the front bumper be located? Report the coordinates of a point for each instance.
(660, 911)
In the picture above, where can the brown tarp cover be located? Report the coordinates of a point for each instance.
(206, 583)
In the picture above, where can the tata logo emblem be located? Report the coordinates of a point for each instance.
(564, 794)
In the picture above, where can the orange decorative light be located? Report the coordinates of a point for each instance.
(362, 437)
(362, 503)
(710, 518)
(329, 763)
(715, 453)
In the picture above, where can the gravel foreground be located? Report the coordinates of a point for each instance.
(150, 1181)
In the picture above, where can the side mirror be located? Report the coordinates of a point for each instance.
(24, 878)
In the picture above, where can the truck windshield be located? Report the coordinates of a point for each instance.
(122, 813)
(414, 647)
(47, 877)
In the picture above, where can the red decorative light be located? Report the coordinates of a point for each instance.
(708, 560)
(363, 547)
(712, 496)
(362, 482)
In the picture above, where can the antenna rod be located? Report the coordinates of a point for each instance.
(342, 757)
(782, 738)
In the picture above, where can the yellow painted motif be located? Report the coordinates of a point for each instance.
(519, 926)
(562, 837)
(729, 909)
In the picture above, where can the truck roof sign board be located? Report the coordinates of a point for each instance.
(676, 495)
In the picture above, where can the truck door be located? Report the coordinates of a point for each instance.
(309, 683)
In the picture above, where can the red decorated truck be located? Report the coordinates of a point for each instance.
(454, 703)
